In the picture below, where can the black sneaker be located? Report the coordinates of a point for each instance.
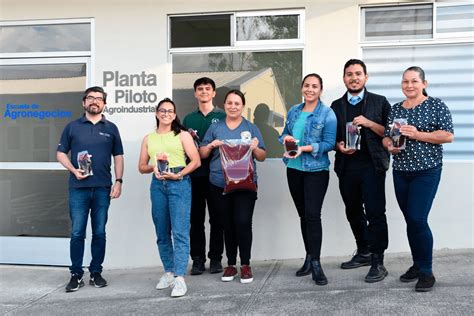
(425, 283)
(376, 273)
(198, 266)
(411, 275)
(97, 280)
(358, 260)
(215, 266)
(75, 283)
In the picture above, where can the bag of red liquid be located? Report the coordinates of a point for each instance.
(237, 164)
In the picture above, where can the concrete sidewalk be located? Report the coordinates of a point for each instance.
(31, 290)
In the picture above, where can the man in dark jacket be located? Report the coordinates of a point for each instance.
(361, 168)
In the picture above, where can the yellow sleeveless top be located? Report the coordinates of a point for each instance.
(166, 143)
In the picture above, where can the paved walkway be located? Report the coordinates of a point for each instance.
(31, 290)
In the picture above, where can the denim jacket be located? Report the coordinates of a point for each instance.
(320, 132)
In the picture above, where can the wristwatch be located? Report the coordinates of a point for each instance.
(180, 176)
(119, 180)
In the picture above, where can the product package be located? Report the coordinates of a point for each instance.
(195, 137)
(399, 140)
(236, 159)
(162, 163)
(291, 147)
(84, 162)
(353, 136)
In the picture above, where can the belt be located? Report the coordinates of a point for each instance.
(175, 169)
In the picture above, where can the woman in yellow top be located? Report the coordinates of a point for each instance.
(170, 192)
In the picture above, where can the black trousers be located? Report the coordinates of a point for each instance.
(200, 194)
(236, 211)
(365, 189)
(308, 190)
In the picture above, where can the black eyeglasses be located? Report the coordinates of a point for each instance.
(164, 111)
(98, 99)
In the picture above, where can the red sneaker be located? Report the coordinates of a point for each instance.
(229, 273)
(246, 275)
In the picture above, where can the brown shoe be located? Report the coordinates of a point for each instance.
(229, 274)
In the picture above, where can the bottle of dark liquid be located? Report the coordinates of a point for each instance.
(162, 162)
(399, 141)
(291, 147)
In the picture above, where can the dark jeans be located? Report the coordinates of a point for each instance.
(308, 190)
(415, 192)
(200, 194)
(81, 200)
(365, 188)
(236, 210)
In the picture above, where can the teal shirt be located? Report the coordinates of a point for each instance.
(298, 132)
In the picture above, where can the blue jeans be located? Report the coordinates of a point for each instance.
(81, 200)
(171, 212)
(415, 192)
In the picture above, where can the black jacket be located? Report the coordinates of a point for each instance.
(375, 108)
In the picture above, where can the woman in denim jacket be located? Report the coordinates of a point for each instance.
(312, 125)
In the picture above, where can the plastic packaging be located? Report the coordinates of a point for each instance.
(237, 165)
(399, 140)
(84, 162)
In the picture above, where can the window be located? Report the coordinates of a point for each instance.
(200, 31)
(446, 57)
(397, 23)
(271, 27)
(455, 20)
(45, 38)
(38, 100)
(42, 77)
(265, 63)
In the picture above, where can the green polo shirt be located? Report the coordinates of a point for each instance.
(200, 123)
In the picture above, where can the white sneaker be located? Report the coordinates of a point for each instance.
(166, 281)
(179, 288)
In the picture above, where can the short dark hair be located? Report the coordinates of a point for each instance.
(236, 92)
(313, 75)
(204, 80)
(351, 62)
(421, 73)
(95, 89)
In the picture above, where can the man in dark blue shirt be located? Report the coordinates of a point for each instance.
(94, 139)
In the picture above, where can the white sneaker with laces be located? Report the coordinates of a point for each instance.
(179, 288)
(166, 281)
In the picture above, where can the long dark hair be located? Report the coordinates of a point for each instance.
(421, 73)
(176, 125)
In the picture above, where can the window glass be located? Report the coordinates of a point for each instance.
(45, 38)
(200, 31)
(34, 203)
(397, 23)
(36, 103)
(455, 19)
(270, 81)
(449, 71)
(269, 27)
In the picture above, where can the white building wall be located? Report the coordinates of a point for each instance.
(131, 36)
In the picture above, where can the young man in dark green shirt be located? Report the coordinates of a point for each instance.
(199, 121)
